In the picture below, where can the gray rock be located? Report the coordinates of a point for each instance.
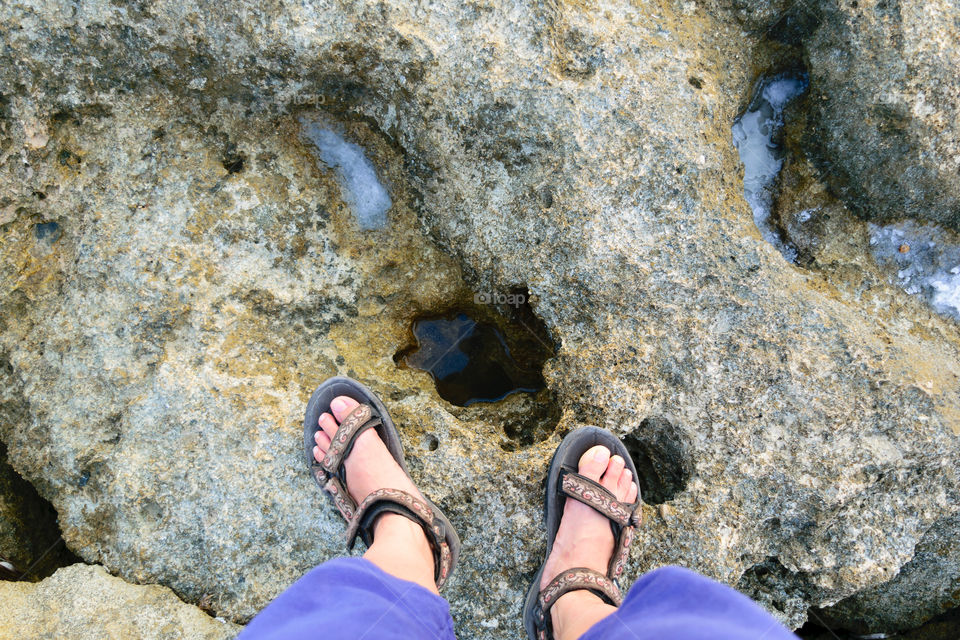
(926, 586)
(206, 277)
(887, 106)
(83, 601)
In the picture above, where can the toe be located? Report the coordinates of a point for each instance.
(322, 440)
(633, 493)
(342, 406)
(317, 454)
(328, 424)
(611, 477)
(623, 486)
(594, 462)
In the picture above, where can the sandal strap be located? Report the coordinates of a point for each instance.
(595, 495)
(577, 579)
(620, 555)
(356, 422)
(405, 504)
(341, 497)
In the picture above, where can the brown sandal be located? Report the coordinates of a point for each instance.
(331, 476)
(563, 481)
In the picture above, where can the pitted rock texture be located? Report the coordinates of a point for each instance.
(85, 602)
(203, 276)
(926, 586)
(886, 104)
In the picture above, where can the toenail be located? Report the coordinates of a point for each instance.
(338, 405)
(600, 454)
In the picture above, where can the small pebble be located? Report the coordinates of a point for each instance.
(666, 512)
(904, 248)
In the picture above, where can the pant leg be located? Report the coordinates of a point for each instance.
(679, 604)
(352, 599)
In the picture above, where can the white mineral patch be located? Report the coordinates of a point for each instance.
(923, 260)
(359, 185)
(753, 136)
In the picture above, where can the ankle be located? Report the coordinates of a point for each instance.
(400, 529)
(399, 532)
(400, 548)
(575, 612)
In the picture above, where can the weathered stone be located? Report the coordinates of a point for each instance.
(206, 277)
(83, 601)
(924, 587)
(886, 104)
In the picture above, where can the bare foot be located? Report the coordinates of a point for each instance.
(400, 546)
(585, 539)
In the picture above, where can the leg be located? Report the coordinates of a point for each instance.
(391, 592)
(677, 603)
(352, 599)
(400, 548)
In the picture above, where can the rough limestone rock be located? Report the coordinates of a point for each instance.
(924, 587)
(179, 272)
(83, 601)
(886, 99)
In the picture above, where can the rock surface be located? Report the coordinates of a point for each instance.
(887, 106)
(83, 601)
(926, 586)
(202, 276)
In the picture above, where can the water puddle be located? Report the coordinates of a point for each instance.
(923, 260)
(470, 360)
(360, 187)
(755, 135)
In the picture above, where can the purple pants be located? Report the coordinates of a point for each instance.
(352, 599)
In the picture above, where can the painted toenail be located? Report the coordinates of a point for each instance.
(338, 405)
(600, 455)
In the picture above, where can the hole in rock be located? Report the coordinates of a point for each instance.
(921, 259)
(233, 162)
(660, 451)
(470, 360)
(31, 547)
(360, 185)
(47, 231)
(772, 585)
(487, 356)
(757, 136)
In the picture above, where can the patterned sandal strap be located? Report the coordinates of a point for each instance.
(624, 515)
(577, 579)
(622, 551)
(356, 422)
(341, 497)
(595, 495)
(400, 502)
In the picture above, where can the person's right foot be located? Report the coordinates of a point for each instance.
(403, 549)
(584, 538)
